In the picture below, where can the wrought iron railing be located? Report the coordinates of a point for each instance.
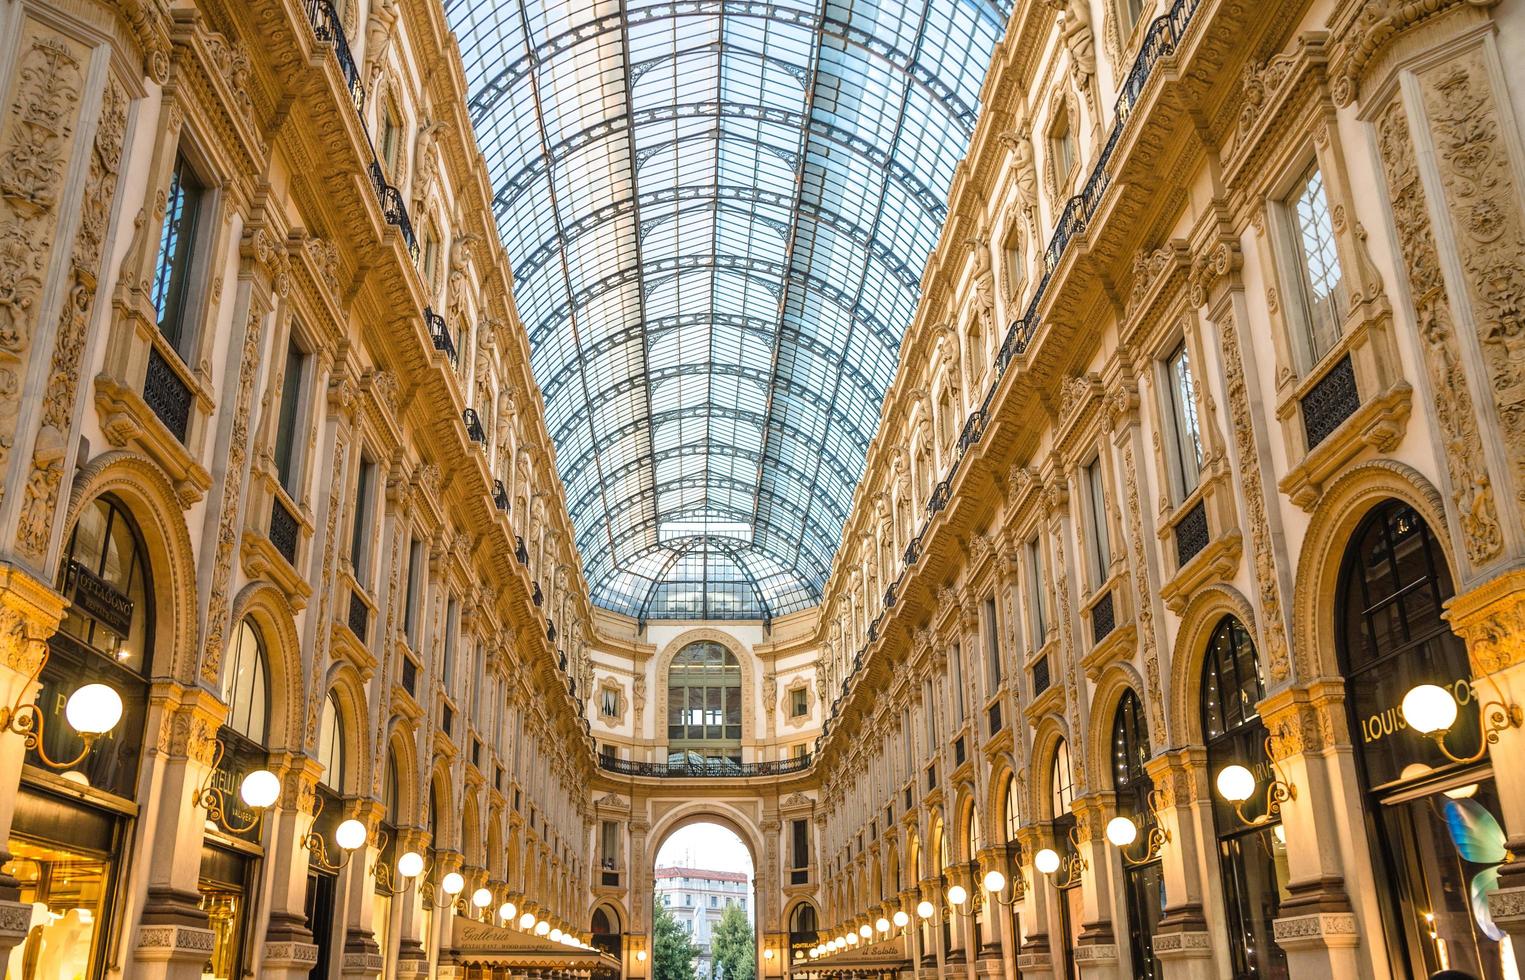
(520, 552)
(473, 425)
(284, 531)
(167, 394)
(690, 768)
(1332, 399)
(329, 28)
(359, 616)
(393, 210)
(1163, 37)
(499, 496)
(1103, 618)
(439, 334)
(1191, 534)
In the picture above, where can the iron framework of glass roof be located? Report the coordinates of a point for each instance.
(717, 213)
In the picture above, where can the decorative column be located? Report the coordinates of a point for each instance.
(1096, 949)
(288, 950)
(412, 958)
(363, 957)
(1182, 941)
(29, 614)
(1033, 955)
(173, 941)
(1316, 926)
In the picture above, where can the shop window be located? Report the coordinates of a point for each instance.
(65, 889)
(179, 244)
(224, 888)
(1251, 860)
(1185, 450)
(1317, 300)
(1395, 584)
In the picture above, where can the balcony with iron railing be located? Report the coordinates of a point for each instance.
(686, 766)
(1163, 38)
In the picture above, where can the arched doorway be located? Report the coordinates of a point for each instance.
(704, 914)
(605, 928)
(1437, 837)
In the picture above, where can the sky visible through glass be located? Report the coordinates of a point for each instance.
(717, 213)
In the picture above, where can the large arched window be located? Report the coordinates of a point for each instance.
(331, 744)
(1393, 589)
(1013, 809)
(1252, 860)
(704, 705)
(1060, 782)
(1144, 885)
(243, 684)
(106, 636)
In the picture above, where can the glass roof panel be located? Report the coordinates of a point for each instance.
(717, 212)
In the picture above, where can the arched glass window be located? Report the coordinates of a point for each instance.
(803, 919)
(704, 705)
(331, 744)
(105, 637)
(1060, 780)
(243, 684)
(1144, 885)
(1252, 861)
(1393, 590)
(1013, 816)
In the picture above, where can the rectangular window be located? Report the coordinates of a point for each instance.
(801, 750)
(1038, 616)
(1061, 143)
(956, 678)
(360, 538)
(1319, 303)
(799, 702)
(289, 423)
(992, 646)
(447, 671)
(931, 709)
(609, 844)
(1186, 445)
(412, 599)
(177, 252)
(391, 141)
(1096, 503)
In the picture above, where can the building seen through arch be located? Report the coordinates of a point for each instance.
(1048, 477)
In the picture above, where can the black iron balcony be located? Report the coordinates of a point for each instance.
(550, 635)
(473, 426)
(520, 552)
(393, 210)
(689, 765)
(439, 332)
(499, 496)
(537, 596)
(329, 28)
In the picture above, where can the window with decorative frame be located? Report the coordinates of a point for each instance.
(1100, 544)
(172, 289)
(1315, 298)
(1063, 151)
(1013, 261)
(1184, 450)
(1037, 615)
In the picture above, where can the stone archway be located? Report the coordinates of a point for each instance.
(765, 891)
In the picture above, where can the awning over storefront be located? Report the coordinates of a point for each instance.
(887, 956)
(483, 945)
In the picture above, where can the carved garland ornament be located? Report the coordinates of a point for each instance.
(1471, 489)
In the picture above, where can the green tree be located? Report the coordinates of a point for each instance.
(732, 946)
(672, 949)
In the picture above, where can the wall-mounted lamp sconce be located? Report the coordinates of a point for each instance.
(93, 710)
(640, 956)
(900, 918)
(1122, 832)
(350, 835)
(768, 953)
(1431, 710)
(1073, 865)
(507, 911)
(924, 909)
(450, 886)
(995, 883)
(882, 924)
(1236, 784)
(259, 789)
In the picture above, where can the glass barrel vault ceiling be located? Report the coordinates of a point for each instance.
(717, 213)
